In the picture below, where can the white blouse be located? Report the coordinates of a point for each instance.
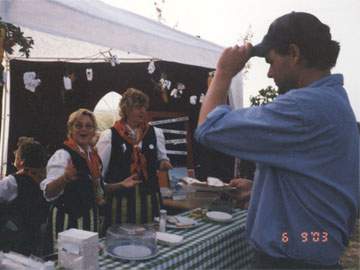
(8, 189)
(56, 168)
(104, 147)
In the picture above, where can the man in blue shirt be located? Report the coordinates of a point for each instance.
(305, 194)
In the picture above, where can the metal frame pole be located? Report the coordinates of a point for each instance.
(5, 116)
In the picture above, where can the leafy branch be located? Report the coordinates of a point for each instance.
(14, 36)
(11, 35)
(265, 96)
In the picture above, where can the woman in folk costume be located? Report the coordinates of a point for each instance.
(130, 154)
(22, 207)
(73, 180)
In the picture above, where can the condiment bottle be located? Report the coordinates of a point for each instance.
(162, 221)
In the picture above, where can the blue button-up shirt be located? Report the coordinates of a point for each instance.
(305, 195)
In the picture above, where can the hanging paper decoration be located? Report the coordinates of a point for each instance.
(174, 93)
(178, 91)
(89, 74)
(69, 78)
(180, 86)
(114, 60)
(30, 81)
(210, 78)
(193, 100)
(109, 57)
(67, 83)
(151, 67)
(165, 84)
(202, 96)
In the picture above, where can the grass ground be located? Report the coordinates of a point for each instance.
(351, 256)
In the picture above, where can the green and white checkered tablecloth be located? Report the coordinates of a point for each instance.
(207, 246)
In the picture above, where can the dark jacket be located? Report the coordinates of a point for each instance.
(21, 219)
(78, 196)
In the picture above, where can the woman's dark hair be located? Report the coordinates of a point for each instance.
(32, 153)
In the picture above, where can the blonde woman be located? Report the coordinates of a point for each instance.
(130, 154)
(73, 182)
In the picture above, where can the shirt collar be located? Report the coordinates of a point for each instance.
(332, 79)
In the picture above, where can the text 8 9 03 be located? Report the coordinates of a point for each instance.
(306, 237)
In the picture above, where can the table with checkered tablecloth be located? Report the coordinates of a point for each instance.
(207, 246)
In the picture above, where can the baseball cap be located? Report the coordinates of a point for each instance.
(298, 28)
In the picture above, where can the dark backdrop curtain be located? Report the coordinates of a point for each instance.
(43, 114)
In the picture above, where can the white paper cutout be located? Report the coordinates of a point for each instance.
(89, 74)
(67, 83)
(123, 146)
(176, 93)
(165, 84)
(180, 86)
(30, 81)
(151, 67)
(173, 93)
(202, 96)
(193, 100)
(114, 60)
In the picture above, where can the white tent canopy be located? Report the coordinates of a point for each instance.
(81, 29)
(95, 22)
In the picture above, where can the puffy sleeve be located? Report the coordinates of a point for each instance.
(103, 147)
(161, 149)
(8, 189)
(54, 169)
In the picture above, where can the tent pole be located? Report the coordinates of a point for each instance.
(102, 59)
(5, 119)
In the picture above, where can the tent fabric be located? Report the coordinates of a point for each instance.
(97, 23)
(77, 31)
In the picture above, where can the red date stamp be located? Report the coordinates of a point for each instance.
(307, 237)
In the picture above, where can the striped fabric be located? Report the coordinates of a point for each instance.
(138, 207)
(207, 246)
(61, 221)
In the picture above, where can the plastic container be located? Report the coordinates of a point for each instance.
(78, 249)
(131, 242)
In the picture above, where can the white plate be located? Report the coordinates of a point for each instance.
(132, 252)
(219, 216)
(169, 239)
(185, 221)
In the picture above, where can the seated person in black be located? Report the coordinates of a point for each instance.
(22, 206)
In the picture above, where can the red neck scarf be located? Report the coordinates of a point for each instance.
(138, 161)
(92, 158)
